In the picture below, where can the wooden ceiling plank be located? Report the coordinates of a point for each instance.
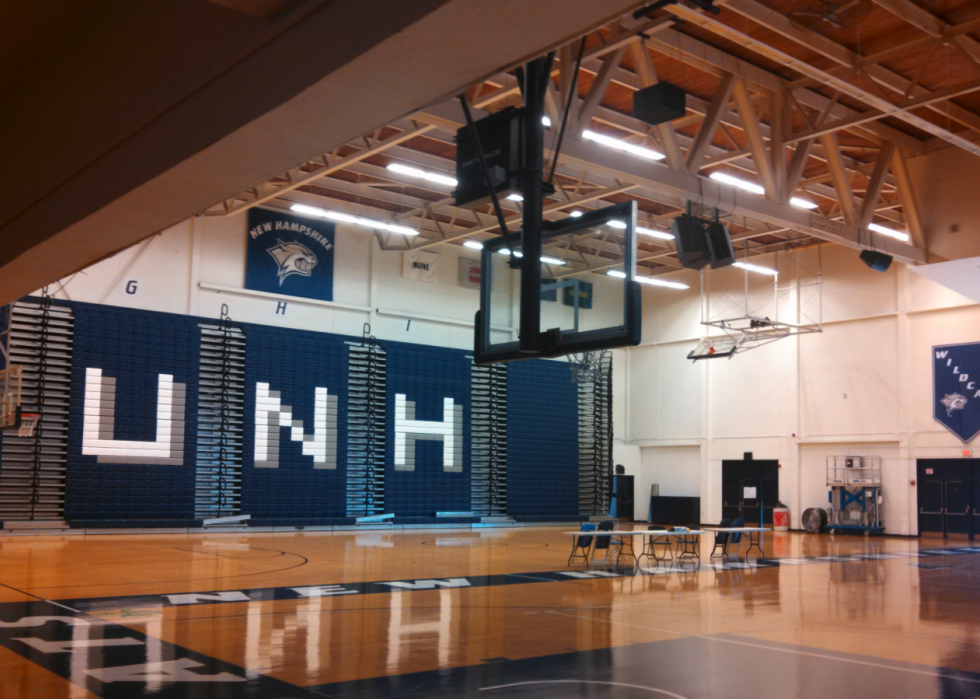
(844, 57)
(933, 26)
(727, 32)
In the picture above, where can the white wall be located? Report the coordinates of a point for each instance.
(198, 265)
(862, 386)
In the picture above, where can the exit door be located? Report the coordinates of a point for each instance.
(749, 489)
(948, 494)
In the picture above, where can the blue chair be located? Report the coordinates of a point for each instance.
(583, 544)
(736, 538)
(721, 540)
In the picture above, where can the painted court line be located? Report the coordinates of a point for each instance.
(794, 651)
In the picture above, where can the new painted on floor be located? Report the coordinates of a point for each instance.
(481, 614)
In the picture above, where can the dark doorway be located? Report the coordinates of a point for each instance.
(749, 489)
(948, 492)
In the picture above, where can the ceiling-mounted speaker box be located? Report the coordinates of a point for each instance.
(692, 244)
(719, 245)
(878, 261)
(659, 103)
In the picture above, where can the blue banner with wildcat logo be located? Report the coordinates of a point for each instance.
(289, 255)
(956, 388)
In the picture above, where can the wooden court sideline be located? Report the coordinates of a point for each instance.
(446, 613)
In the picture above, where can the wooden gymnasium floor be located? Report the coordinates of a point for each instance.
(480, 614)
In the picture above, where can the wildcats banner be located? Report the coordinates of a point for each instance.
(289, 255)
(956, 388)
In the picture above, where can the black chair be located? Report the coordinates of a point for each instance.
(721, 540)
(652, 542)
(736, 538)
(583, 544)
(605, 543)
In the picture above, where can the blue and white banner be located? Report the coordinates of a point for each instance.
(956, 388)
(289, 255)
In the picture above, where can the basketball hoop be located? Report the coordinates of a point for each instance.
(28, 423)
(709, 345)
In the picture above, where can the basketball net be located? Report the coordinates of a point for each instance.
(586, 366)
(28, 423)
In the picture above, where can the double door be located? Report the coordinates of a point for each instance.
(750, 490)
(948, 497)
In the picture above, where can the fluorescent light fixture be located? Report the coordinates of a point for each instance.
(546, 121)
(621, 225)
(663, 235)
(515, 197)
(653, 281)
(737, 182)
(757, 189)
(355, 220)
(575, 214)
(623, 146)
(544, 258)
(802, 203)
(897, 235)
(748, 267)
(473, 245)
(422, 174)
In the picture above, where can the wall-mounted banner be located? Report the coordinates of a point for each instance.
(289, 255)
(583, 290)
(420, 266)
(469, 273)
(956, 388)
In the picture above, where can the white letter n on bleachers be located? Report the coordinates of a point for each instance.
(408, 429)
(271, 416)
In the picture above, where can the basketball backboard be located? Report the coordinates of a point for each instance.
(589, 298)
(10, 385)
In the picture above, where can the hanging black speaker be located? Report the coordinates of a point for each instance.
(659, 103)
(719, 245)
(878, 261)
(691, 241)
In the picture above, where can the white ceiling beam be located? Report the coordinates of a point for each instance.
(712, 60)
(875, 183)
(597, 159)
(706, 132)
(844, 57)
(773, 54)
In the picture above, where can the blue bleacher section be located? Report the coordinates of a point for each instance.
(136, 346)
(542, 441)
(427, 375)
(294, 362)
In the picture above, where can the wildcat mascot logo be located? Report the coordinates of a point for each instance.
(292, 258)
(956, 389)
